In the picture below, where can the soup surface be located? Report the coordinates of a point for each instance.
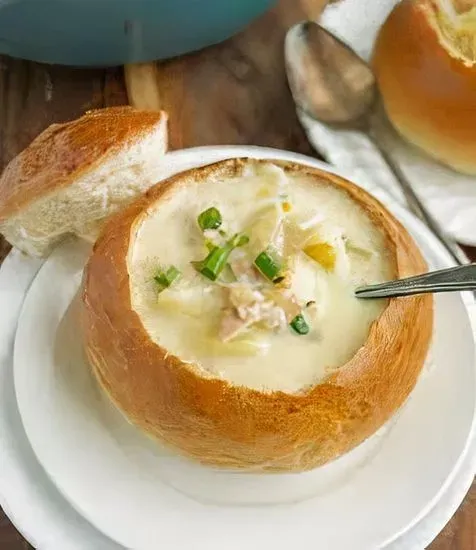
(286, 254)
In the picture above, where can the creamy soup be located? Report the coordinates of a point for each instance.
(281, 313)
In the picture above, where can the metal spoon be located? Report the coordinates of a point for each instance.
(332, 84)
(445, 280)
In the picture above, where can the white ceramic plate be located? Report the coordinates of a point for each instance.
(27, 496)
(451, 197)
(84, 444)
(44, 517)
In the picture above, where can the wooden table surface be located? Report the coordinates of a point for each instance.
(32, 96)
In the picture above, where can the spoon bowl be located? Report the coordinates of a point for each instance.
(328, 80)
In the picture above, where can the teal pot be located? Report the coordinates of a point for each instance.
(113, 32)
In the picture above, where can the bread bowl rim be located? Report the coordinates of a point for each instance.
(213, 395)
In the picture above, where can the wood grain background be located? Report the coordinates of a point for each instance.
(232, 93)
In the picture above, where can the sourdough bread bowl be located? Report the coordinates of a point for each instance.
(76, 174)
(425, 64)
(260, 365)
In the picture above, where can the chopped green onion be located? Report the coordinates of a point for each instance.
(210, 219)
(228, 275)
(166, 278)
(215, 262)
(268, 266)
(241, 240)
(299, 325)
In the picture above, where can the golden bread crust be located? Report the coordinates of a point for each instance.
(59, 155)
(223, 425)
(427, 90)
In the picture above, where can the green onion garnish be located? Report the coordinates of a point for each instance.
(240, 240)
(215, 262)
(210, 219)
(210, 246)
(228, 275)
(165, 278)
(268, 266)
(299, 325)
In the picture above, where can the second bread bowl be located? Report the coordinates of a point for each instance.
(219, 315)
(425, 64)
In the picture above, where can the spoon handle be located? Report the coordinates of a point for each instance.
(417, 207)
(445, 280)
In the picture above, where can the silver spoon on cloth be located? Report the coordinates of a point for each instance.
(454, 279)
(332, 84)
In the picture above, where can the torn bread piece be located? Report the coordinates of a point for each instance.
(73, 176)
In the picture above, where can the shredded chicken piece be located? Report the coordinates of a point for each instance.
(244, 296)
(231, 325)
(248, 307)
(285, 299)
(243, 268)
